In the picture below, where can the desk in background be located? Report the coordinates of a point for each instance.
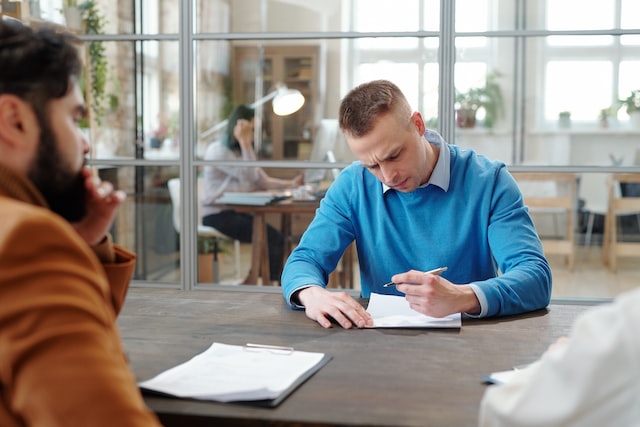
(259, 245)
(381, 377)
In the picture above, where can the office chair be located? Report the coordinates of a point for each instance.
(203, 230)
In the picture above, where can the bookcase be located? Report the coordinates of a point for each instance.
(296, 67)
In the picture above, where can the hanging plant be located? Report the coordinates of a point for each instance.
(94, 24)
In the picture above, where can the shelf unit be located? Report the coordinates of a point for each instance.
(295, 66)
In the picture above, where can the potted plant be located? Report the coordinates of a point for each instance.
(606, 115)
(632, 106)
(72, 14)
(564, 119)
(488, 97)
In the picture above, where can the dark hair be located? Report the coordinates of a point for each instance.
(241, 112)
(38, 65)
(366, 102)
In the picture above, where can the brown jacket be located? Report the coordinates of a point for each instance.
(61, 357)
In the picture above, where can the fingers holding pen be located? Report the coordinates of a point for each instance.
(414, 277)
(436, 296)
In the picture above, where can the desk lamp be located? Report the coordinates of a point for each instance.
(285, 102)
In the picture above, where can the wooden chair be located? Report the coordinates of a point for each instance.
(619, 205)
(552, 193)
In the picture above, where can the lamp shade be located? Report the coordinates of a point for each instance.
(287, 101)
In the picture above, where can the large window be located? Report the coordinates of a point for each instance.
(586, 74)
(532, 83)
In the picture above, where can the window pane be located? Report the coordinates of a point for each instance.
(405, 76)
(574, 15)
(144, 223)
(630, 14)
(472, 15)
(384, 15)
(629, 72)
(247, 16)
(429, 108)
(599, 15)
(213, 93)
(582, 88)
(431, 15)
(108, 84)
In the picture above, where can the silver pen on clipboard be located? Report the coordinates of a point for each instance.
(275, 349)
(437, 271)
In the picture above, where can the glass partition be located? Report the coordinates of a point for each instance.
(552, 91)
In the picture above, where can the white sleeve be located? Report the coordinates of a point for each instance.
(594, 380)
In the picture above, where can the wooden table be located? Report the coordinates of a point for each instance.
(259, 245)
(378, 377)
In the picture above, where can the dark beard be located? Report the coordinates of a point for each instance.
(63, 189)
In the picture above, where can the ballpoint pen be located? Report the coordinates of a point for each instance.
(436, 271)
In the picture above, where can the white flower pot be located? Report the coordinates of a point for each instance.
(634, 119)
(73, 17)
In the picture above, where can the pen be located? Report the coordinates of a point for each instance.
(437, 271)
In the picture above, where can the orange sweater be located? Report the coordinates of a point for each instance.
(61, 357)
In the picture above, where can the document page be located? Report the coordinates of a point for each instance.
(393, 311)
(227, 373)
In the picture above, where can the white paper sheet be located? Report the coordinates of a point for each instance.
(227, 373)
(392, 311)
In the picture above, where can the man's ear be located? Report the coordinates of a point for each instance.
(418, 122)
(18, 123)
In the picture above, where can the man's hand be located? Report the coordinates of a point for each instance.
(322, 305)
(102, 205)
(297, 181)
(435, 296)
(243, 131)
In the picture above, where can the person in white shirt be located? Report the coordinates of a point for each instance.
(237, 144)
(590, 379)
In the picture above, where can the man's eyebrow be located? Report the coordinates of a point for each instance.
(389, 156)
(369, 165)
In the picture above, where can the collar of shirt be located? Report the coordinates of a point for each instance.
(442, 172)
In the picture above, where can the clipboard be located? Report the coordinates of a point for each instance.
(253, 374)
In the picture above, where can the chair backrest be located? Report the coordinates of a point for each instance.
(627, 201)
(547, 190)
(174, 192)
(594, 190)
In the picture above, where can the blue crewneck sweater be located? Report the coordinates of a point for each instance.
(477, 225)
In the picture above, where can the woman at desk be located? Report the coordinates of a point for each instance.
(237, 144)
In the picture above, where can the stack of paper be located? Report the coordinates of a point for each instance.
(253, 198)
(231, 373)
(393, 311)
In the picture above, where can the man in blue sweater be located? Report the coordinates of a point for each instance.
(413, 203)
